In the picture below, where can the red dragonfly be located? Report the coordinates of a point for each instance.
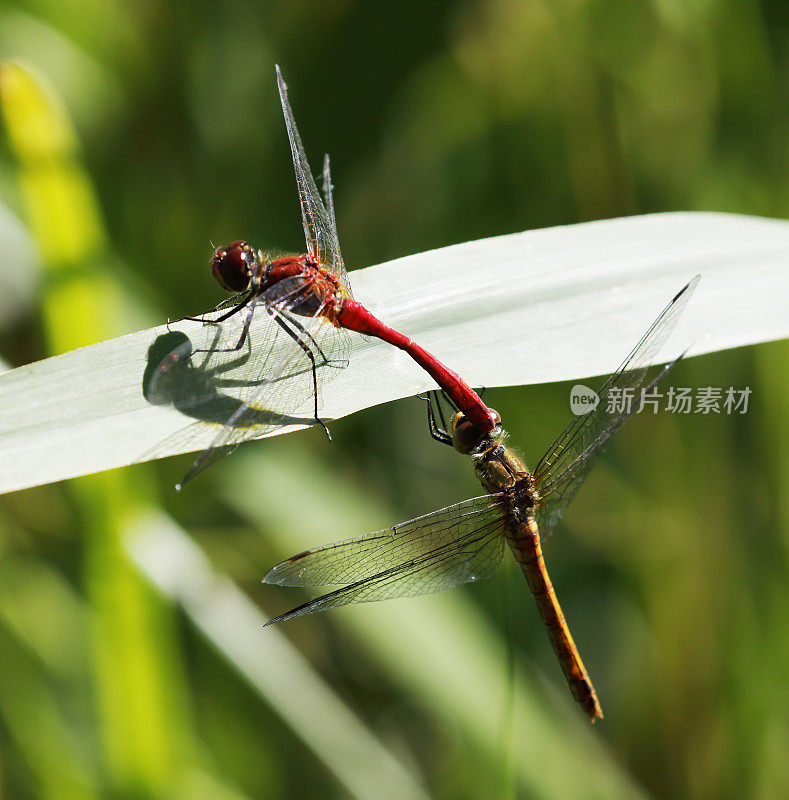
(465, 542)
(309, 301)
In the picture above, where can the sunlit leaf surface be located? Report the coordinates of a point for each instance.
(526, 308)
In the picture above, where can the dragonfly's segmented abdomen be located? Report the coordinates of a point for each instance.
(524, 541)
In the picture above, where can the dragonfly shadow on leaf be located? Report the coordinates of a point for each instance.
(193, 384)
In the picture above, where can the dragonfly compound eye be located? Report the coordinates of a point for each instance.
(232, 266)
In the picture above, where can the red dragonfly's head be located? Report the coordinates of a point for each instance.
(235, 266)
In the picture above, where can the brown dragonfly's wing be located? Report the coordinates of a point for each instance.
(319, 229)
(564, 467)
(457, 544)
(267, 384)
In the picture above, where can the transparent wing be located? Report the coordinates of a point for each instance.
(267, 384)
(328, 188)
(567, 462)
(458, 544)
(328, 197)
(319, 229)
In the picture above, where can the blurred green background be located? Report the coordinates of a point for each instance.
(159, 131)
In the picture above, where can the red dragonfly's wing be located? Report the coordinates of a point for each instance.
(457, 544)
(245, 394)
(319, 228)
(328, 197)
(560, 472)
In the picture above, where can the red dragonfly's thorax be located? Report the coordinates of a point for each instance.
(282, 268)
(297, 266)
(308, 288)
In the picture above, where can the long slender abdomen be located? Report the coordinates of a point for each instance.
(525, 544)
(356, 317)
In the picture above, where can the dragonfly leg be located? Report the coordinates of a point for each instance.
(244, 331)
(439, 433)
(437, 398)
(236, 308)
(215, 308)
(277, 316)
(299, 327)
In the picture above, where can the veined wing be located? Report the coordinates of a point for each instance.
(319, 229)
(567, 462)
(328, 196)
(328, 188)
(269, 383)
(457, 544)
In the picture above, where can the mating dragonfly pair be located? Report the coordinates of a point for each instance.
(311, 308)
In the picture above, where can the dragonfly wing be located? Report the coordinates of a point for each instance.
(194, 374)
(319, 229)
(328, 197)
(267, 385)
(458, 544)
(562, 470)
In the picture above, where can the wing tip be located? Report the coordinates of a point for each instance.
(299, 611)
(688, 288)
(272, 576)
(281, 85)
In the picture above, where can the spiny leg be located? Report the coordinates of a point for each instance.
(437, 397)
(299, 327)
(216, 308)
(440, 434)
(277, 317)
(244, 330)
(250, 295)
(233, 310)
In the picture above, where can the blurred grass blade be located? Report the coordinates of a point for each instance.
(277, 671)
(440, 649)
(43, 623)
(144, 728)
(19, 269)
(53, 756)
(546, 305)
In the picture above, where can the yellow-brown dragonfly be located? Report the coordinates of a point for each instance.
(465, 542)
